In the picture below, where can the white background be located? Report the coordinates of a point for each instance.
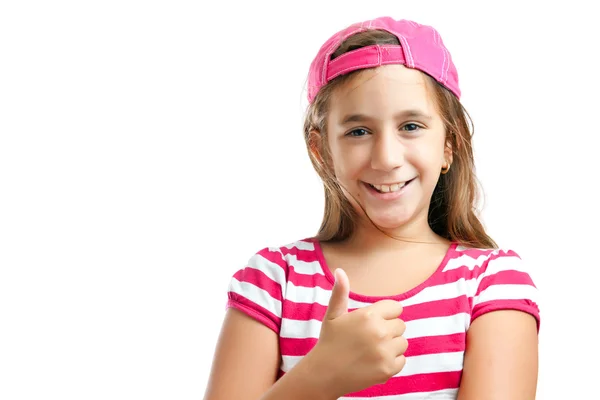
(149, 148)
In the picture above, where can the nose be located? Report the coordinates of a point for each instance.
(388, 151)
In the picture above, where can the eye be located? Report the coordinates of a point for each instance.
(411, 127)
(357, 132)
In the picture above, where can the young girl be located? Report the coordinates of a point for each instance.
(401, 294)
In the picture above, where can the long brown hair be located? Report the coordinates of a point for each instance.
(452, 211)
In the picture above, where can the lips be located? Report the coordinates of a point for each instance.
(389, 188)
(396, 190)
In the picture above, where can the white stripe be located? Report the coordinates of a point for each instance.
(503, 264)
(432, 363)
(291, 328)
(270, 269)
(318, 295)
(425, 364)
(507, 292)
(442, 292)
(437, 326)
(303, 294)
(257, 295)
(468, 261)
(304, 267)
(301, 245)
(445, 394)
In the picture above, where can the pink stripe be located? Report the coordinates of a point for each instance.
(438, 308)
(254, 310)
(416, 346)
(301, 255)
(501, 254)
(296, 347)
(303, 311)
(436, 344)
(413, 383)
(509, 277)
(454, 275)
(260, 280)
(475, 253)
(273, 256)
(410, 384)
(525, 305)
(311, 281)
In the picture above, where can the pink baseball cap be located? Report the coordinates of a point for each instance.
(421, 47)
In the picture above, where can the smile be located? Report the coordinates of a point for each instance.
(388, 192)
(389, 188)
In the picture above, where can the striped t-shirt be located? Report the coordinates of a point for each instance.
(288, 289)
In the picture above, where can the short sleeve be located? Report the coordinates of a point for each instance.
(257, 289)
(505, 284)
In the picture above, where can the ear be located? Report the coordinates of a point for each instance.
(448, 153)
(314, 141)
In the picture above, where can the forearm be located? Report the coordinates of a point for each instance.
(303, 382)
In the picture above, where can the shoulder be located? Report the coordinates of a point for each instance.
(258, 287)
(271, 265)
(501, 345)
(481, 262)
(283, 256)
(499, 279)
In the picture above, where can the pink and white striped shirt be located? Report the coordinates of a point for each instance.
(288, 290)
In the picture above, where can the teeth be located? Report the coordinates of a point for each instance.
(389, 188)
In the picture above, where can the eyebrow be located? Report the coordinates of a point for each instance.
(401, 115)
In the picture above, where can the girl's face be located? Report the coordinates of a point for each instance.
(387, 143)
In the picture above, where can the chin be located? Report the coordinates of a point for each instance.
(390, 220)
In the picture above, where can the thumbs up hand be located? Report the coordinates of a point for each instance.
(338, 302)
(361, 348)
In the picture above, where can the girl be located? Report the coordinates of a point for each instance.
(401, 294)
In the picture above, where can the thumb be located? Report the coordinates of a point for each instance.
(338, 303)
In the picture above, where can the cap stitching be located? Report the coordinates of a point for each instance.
(436, 40)
(332, 48)
(446, 60)
(379, 61)
(410, 60)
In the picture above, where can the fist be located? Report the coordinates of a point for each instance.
(361, 348)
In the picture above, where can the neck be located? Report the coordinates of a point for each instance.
(415, 233)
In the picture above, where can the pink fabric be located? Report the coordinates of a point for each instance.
(421, 47)
(287, 289)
